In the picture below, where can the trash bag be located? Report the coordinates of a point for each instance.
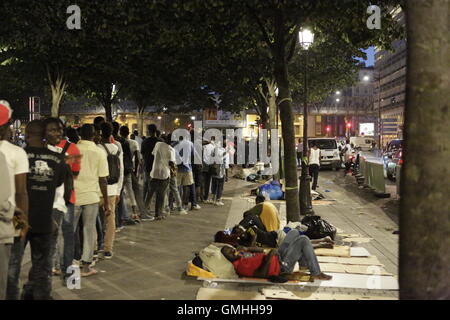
(273, 189)
(318, 228)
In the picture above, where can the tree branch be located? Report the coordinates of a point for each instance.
(261, 26)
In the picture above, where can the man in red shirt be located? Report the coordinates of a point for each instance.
(56, 137)
(294, 248)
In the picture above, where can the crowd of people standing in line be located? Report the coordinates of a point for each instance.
(69, 191)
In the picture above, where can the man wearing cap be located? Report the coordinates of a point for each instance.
(17, 167)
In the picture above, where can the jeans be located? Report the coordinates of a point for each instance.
(57, 217)
(122, 211)
(191, 196)
(68, 233)
(297, 248)
(148, 192)
(160, 188)
(139, 195)
(89, 213)
(100, 233)
(173, 189)
(5, 254)
(207, 183)
(217, 188)
(39, 285)
(128, 186)
(314, 173)
(146, 185)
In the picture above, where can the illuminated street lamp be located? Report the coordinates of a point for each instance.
(306, 39)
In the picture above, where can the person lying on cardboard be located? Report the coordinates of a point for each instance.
(277, 264)
(255, 237)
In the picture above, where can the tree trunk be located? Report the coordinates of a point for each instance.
(57, 86)
(425, 184)
(108, 110)
(272, 105)
(273, 115)
(287, 122)
(140, 120)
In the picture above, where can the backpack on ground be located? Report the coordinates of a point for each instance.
(113, 166)
(318, 228)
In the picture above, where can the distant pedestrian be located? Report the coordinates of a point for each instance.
(184, 152)
(348, 151)
(314, 164)
(164, 162)
(137, 138)
(218, 178)
(208, 161)
(299, 148)
(147, 153)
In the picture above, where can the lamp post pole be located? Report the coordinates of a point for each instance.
(305, 178)
(380, 126)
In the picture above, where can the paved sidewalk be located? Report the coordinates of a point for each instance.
(150, 259)
(352, 213)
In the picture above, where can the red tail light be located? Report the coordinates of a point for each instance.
(400, 162)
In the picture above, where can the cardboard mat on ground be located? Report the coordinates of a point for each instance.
(339, 280)
(354, 269)
(367, 261)
(226, 294)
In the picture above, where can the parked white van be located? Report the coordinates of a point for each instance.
(329, 152)
(363, 143)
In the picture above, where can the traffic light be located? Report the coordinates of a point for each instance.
(349, 125)
(328, 128)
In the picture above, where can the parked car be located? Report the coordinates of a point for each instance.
(362, 143)
(393, 162)
(329, 152)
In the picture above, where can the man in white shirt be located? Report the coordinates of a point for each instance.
(17, 167)
(314, 164)
(207, 162)
(348, 151)
(108, 220)
(90, 182)
(137, 138)
(164, 162)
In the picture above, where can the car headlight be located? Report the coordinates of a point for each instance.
(336, 154)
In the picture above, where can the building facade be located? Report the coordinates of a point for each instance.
(390, 68)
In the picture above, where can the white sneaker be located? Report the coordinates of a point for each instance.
(219, 203)
(196, 207)
(181, 212)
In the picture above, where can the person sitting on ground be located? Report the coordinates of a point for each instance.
(277, 264)
(267, 212)
(255, 237)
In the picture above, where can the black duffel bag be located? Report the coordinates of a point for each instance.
(318, 228)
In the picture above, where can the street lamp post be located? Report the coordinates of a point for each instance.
(306, 38)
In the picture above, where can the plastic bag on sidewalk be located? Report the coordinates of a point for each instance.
(273, 189)
(318, 228)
